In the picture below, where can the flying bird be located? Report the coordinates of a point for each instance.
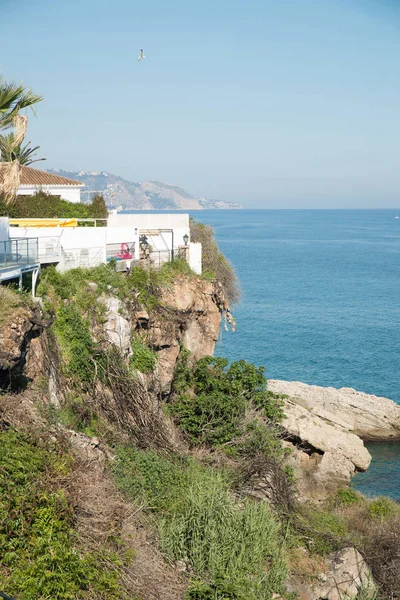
(141, 54)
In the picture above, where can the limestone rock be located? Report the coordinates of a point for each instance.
(196, 299)
(368, 416)
(325, 455)
(118, 328)
(347, 574)
(88, 449)
(318, 476)
(325, 437)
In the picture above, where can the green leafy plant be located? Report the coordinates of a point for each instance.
(382, 508)
(143, 358)
(347, 497)
(211, 399)
(39, 559)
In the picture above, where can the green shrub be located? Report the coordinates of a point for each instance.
(215, 265)
(382, 508)
(143, 358)
(229, 544)
(260, 439)
(45, 206)
(78, 348)
(38, 557)
(347, 497)
(211, 399)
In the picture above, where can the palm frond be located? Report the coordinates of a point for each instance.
(13, 98)
(10, 151)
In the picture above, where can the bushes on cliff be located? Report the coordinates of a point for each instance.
(44, 206)
(211, 399)
(215, 264)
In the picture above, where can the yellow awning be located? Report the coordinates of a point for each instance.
(44, 222)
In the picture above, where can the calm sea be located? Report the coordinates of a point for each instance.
(321, 304)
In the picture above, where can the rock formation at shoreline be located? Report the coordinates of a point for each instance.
(372, 418)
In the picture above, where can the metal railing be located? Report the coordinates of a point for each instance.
(18, 252)
(81, 257)
(49, 249)
(160, 257)
(120, 251)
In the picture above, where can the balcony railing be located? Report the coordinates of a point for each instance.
(18, 252)
(81, 257)
(160, 257)
(120, 251)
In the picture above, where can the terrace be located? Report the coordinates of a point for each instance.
(17, 257)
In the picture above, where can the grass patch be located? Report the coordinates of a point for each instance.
(10, 300)
(233, 547)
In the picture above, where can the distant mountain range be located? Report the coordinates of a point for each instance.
(146, 195)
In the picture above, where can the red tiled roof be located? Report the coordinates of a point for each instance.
(31, 176)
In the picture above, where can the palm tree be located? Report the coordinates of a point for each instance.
(10, 152)
(14, 98)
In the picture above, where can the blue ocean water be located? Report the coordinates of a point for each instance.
(320, 304)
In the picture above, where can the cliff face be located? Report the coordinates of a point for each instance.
(190, 318)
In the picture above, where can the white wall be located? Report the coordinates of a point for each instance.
(72, 193)
(195, 257)
(63, 244)
(4, 229)
(153, 221)
(150, 220)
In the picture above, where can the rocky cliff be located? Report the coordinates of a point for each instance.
(100, 376)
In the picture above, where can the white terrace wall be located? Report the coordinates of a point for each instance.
(195, 257)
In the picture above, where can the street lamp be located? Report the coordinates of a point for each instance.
(186, 239)
(144, 244)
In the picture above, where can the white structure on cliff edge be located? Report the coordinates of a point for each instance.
(129, 239)
(34, 180)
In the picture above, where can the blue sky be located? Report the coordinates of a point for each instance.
(274, 103)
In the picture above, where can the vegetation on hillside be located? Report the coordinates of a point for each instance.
(198, 496)
(214, 262)
(233, 547)
(39, 555)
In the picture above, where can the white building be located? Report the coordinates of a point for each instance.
(125, 237)
(33, 180)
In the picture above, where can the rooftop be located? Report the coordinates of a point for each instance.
(31, 176)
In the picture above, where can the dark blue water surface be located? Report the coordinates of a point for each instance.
(321, 304)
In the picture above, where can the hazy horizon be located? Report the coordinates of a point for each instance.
(274, 105)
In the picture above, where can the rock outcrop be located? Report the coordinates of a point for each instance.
(325, 455)
(348, 573)
(368, 416)
(17, 331)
